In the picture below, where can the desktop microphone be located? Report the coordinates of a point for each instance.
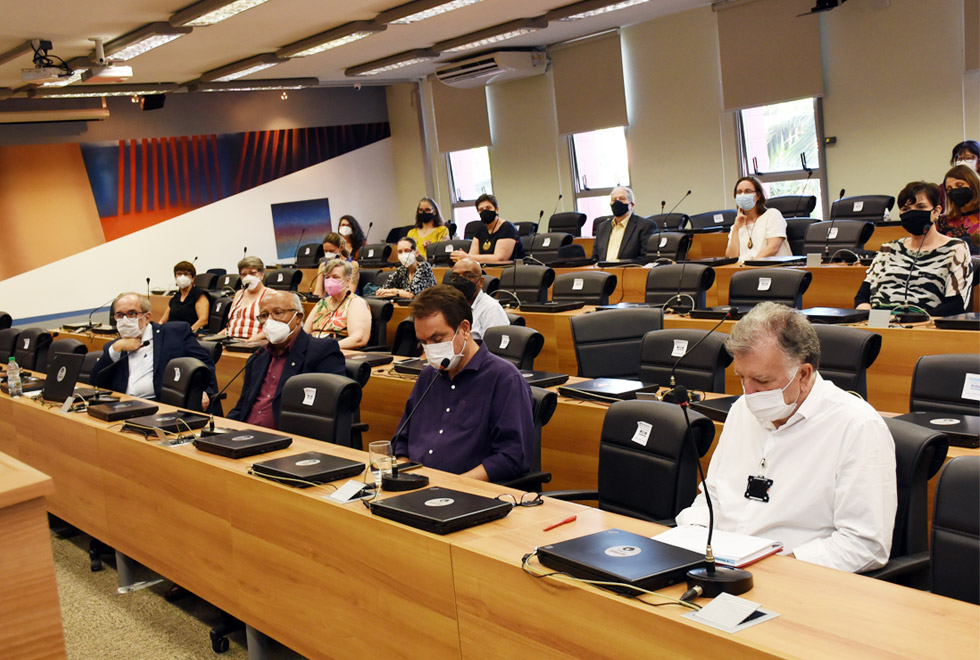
(210, 430)
(674, 208)
(90, 325)
(680, 280)
(368, 232)
(299, 243)
(556, 206)
(833, 217)
(673, 394)
(194, 261)
(245, 252)
(809, 173)
(710, 580)
(147, 287)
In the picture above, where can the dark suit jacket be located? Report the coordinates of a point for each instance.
(308, 355)
(634, 244)
(170, 340)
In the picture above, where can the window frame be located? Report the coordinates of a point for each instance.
(457, 202)
(580, 192)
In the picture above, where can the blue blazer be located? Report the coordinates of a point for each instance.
(308, 355)
(170, 340)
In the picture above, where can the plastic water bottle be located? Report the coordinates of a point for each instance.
(13, 378)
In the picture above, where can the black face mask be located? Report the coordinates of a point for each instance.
(487, 216)
(425, 216)
(916, 222)
(960, 196)
(619, 208)
(464, 286)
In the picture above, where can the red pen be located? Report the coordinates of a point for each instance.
(560, 523)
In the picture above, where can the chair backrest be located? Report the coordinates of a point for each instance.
(358, 371)
(703, 367)
(217, 271)
(862, 207)
(6, 320)
(793, 206)
(229, 281)
(405, 342)
(518, 345)
(836, 235)
(938, 380)
(591, 287)
(320, 406)
(470, 229)
(451, 226)
(780, 285)
(845, 355)
(309, 255)
(374, 255)
(796, 229)
(368, 276)
(218, 318)
(490, 283)
(570, 222)
(206, 281)
(398, 233)
(68, 345)
(712, 220)
(526, 228)
(671, 245)
(381, 276)
(607, 343)
(955, 565)
(213, 349)
(666, 282)
(654, 480)
(440, 252)
(31, 348)
(8, 343)
(516, 319)
(543, 405)
(919, 454)
(88, 363)
(283, 279)
(184, 381)
(545, 247)
(381, 311)
(670, 221)
(528, 283)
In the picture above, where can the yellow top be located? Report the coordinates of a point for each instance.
(616, 233)
(433, 236)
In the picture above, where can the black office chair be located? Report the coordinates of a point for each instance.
(712, 220)
(796, 229)
(937, 383)
(780, 285)
(329, 416)
(405, 342)
(793, 206)
(440, 252)
(607, 343)
(670, 221)
(470, 229)
(381, 311)
(88, 363)
(213, 350)
(375, 255)
(653, 481)
(543, 405)
(666, 283)
(8, 343)
(368, 276)
(206, 281)
(31, 348)
(69, 345)
(672, 245)
(517, 345)
(862, 207)
(837, 235)
(184, 381)
(451, 226)
(381, 276)
(217, 271)
(955, 565)
(359, 372)
(528, 283)
(526, 228)
(218, 318)
(6, 320)
(703, 367)
(919, 454)
(287, 279)
(516, 319)
(569, 222)
(231, 282)
(591, 287)
(395, 234)
(309, 255)
(546, 247)
(846, 354)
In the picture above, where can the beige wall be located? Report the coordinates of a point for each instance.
(411, 181)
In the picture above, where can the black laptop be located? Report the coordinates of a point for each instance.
(718, 312)
(717, 408)
(714, 262)
(607, 390)
(239, 444)
(178, 421)
(791, 260)
(440, 510)
(410, 367)
(968, 321)
(115, 411)
(962, 430)
(543, 378)
(552, 307)
(244, 346)
(834, 315)
(63, 370)
(307, 469)
(629, 305)
(371, 359)
(622, 557)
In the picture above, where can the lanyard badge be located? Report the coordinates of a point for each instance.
(758, 487)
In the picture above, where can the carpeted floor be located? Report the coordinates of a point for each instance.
(103, 625)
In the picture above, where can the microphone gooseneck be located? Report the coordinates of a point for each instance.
(674, 394)
(830, 229)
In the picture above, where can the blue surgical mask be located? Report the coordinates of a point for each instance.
(745, 201)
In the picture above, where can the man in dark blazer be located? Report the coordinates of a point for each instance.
(623, 235)
(135, 363)
(290, 352)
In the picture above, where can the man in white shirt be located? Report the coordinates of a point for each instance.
(467, 277)
(800, 460)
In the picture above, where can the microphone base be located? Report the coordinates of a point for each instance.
(670, 397)
(719, 580)
(906, 318)
(207, 433)
(404, 482)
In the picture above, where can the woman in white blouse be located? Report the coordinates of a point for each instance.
(758, 231)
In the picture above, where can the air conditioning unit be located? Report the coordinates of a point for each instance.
(493, 68)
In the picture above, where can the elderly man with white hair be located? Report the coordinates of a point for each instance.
(623, 235)
(799, 461)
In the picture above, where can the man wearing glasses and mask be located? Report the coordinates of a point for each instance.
(475, 417)
(290, 352)
(467, 277)
(135, 363)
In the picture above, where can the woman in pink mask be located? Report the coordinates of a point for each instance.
(341, 314)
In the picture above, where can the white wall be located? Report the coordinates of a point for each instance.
(355, 183)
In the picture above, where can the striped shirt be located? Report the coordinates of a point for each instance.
(898, 277)
(242, 321)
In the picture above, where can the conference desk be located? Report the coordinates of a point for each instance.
(333, 581)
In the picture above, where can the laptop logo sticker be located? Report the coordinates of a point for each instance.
(308, 462)
(944, 421)
(440, 501)
(622, 551)
(242, 438)
(165, 418)
(61, 374)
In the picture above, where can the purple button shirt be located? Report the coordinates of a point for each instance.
(482, 416)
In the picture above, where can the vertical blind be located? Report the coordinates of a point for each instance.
(462, 121)
(589, 89)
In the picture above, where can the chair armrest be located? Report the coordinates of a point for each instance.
(900, 567)
(532, 481)
(380, 348)
(573, 495)
(360, 427)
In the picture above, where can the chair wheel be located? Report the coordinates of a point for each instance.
(95, 565)
(219, 644)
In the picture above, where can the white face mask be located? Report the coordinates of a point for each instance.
(972, 163)
(745, 201)
(328, 256)
(277, 332)
(250, 282)
(770, 406)
(437, 353)
(128, 328)
(183, 281)
(345, 230)
(407, 258)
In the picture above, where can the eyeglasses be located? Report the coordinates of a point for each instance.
(277, 314)
(119, 316)
(527, 499)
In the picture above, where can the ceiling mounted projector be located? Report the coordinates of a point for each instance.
(108, 74)
(43, 74)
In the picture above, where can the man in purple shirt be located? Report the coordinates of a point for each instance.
(476, 420)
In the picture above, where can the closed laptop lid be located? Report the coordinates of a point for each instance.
(543, 378)
(968, 321)
(440, 505)
(312, 466)
(413, 366)
(957, 427)
(63, 370)
(373, 359)
(245, 438)
(608, 386)
(776, 260)
(835, 314)
(177, 421)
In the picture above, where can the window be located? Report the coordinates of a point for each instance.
(773, 142)
(469, 176)
(600, 163)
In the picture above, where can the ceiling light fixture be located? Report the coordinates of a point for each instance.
(241, 68)
(67, 80)
(590, 8)
(420, 10)
(142, 40)
(492, 35)
(253, 85)
(101, 90)
(209, 12)
(399, 61)
(340, 36)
